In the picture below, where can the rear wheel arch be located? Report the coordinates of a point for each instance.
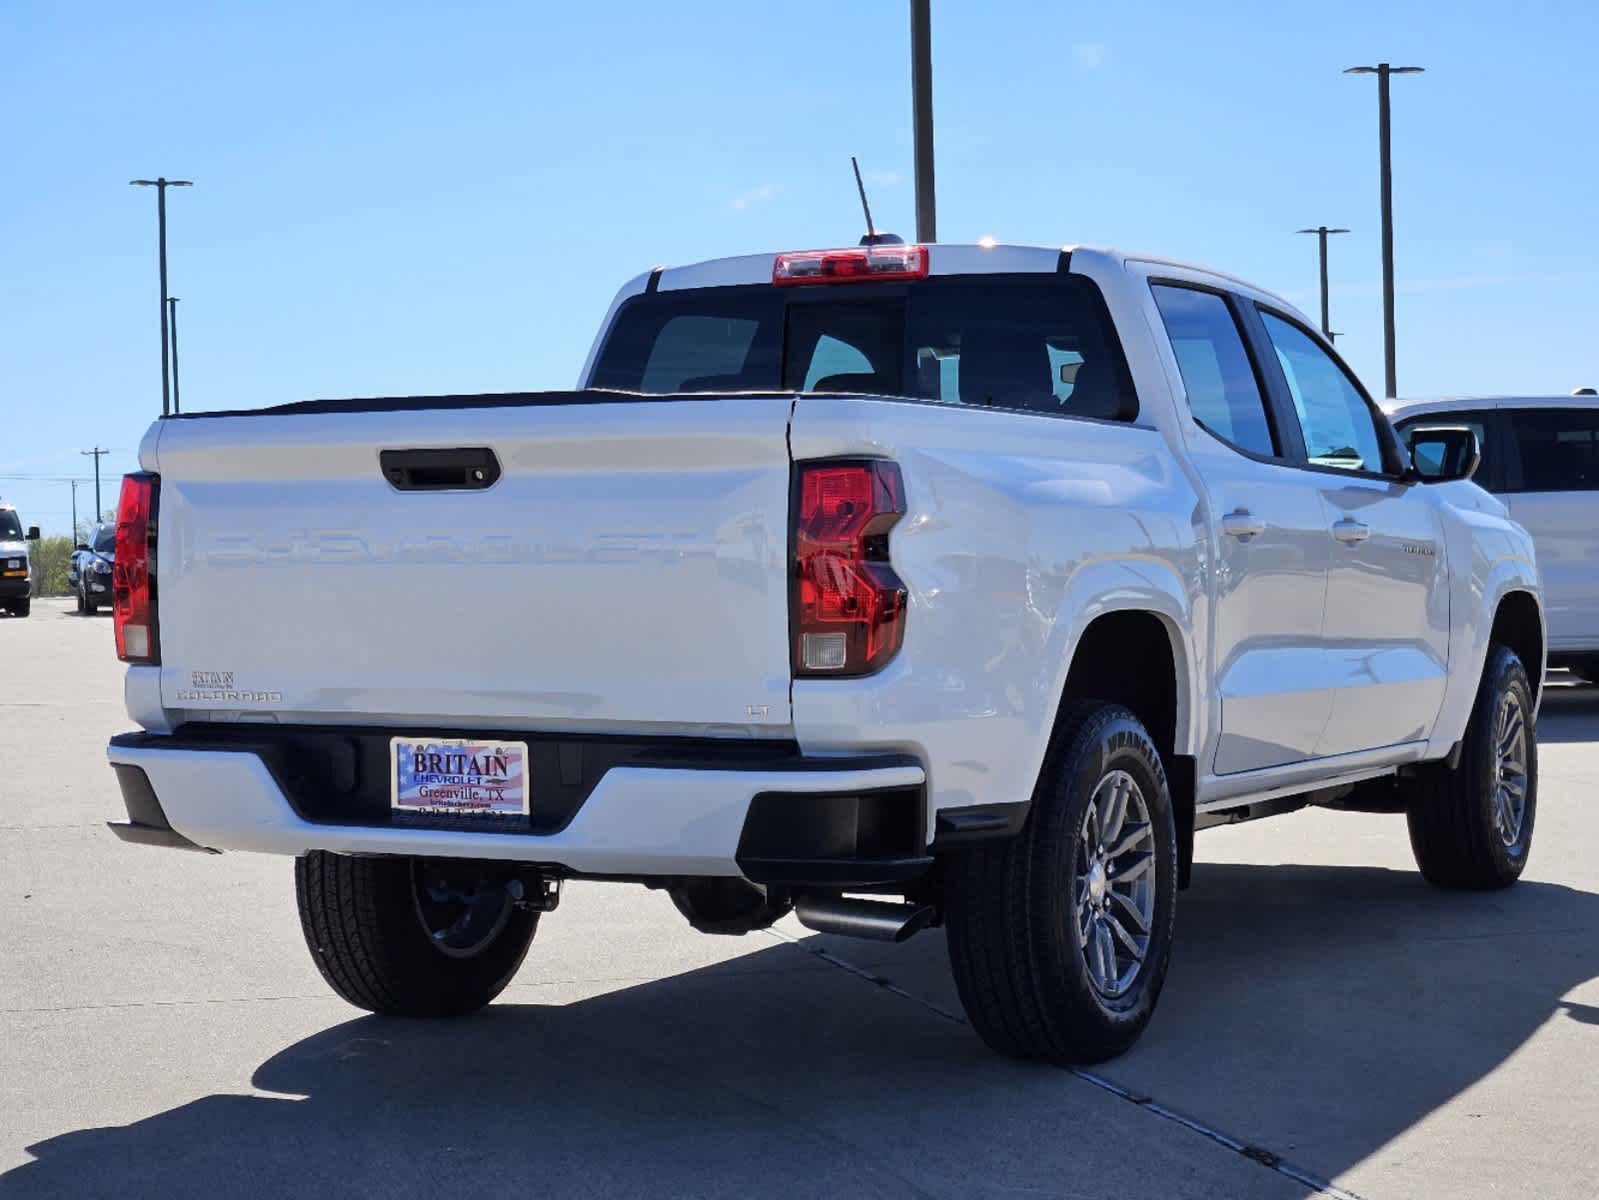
(1138, 658)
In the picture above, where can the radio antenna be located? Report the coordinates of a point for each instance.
(871, 233)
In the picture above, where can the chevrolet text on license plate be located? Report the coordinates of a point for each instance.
(435, 777)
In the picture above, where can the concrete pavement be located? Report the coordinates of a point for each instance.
(163, 1032)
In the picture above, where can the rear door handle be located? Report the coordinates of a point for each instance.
(1349, 531)
(1242, 524)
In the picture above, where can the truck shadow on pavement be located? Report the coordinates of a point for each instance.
(1317, 1012)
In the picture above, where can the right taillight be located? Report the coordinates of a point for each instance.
(849, 606)
(133, 571)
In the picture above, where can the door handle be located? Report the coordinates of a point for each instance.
(1350, 531)
(1242, 524)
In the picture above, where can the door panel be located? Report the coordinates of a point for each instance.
(1271, 549)
(1387, 625)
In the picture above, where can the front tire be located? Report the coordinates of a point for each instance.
(1471, 827)
(412, 937)
(20, 608)
(1059, 938)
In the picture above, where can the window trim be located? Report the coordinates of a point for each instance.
(1285, 451)
(1396, 462)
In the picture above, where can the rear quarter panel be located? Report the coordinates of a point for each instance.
(1020, 529)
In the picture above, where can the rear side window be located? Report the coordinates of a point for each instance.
(1217, 375)
(1036, 343)
(1558, 448)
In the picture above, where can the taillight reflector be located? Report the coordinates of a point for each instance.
(849, 605)
(858, 264)
(133, 572)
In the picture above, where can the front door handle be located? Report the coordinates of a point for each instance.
(1350, 531)
(1242, 524)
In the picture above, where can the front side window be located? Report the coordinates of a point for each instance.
(1339, 426)
(105, 539)
(1217, 374)
(1558, 448)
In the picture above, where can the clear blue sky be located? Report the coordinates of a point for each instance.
(405, 198)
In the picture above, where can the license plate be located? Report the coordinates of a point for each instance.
(480, 782)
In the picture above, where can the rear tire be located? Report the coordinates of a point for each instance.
(373, 926)
(77, 594)
(1031, 920)
(1471, 827)
(20, 608)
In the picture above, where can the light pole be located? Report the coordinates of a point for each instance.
(172, 311)
(922, 118)
(96, 454)
(74, 484)
(1321, 232)
(161, 184)
(1383, 71)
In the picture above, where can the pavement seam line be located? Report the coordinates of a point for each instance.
(1254, 1153)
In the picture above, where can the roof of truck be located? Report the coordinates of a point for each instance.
(945, 258)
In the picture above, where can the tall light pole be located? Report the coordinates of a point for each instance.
(922, 114)
(1383, 71)
(1321, 232)
(172, 311)
(96, 453)
(161, 184)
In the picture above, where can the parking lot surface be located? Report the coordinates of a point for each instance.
(1330, 1023)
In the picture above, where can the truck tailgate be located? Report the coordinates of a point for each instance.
(628, 570)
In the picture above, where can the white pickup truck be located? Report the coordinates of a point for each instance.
(893, 585)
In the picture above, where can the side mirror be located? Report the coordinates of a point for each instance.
(33, 533)
(1442, 454)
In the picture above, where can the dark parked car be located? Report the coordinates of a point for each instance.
(90, 572)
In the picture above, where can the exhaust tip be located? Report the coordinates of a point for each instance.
(877, 920)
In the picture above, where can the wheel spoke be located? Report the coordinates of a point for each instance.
(1131, 911)
(1115, 811)
(1126, 939)
(1135, 867)
(1105, 949)
(1132, 833)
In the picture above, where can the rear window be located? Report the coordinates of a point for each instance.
(1034, 343)
(1558, 448)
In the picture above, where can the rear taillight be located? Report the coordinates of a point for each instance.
(133, 573)
(858, 264)
(849, 606)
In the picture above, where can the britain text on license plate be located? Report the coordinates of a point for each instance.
(480, 782)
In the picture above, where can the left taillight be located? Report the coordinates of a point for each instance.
(133, 573)
(849, 605)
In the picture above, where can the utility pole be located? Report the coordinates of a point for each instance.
(74, 484)
(1321, 232)
(1383, 71)
(172, 311)
(922, 112)
(96, 454)
(161, 184)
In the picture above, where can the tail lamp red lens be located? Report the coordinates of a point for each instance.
(858, 264)
(133, 572)
(849, 605)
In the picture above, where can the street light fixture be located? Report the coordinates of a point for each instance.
(1321, 232)
(161, 184)
(1383, 71)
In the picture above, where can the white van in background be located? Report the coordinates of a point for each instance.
(1540, 455)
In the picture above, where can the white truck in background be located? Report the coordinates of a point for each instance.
(895, 585)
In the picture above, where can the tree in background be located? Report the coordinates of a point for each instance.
(51, 558)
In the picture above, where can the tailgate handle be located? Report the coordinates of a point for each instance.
(465, 469)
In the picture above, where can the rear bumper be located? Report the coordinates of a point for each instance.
(15, 589)
(783, 820)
